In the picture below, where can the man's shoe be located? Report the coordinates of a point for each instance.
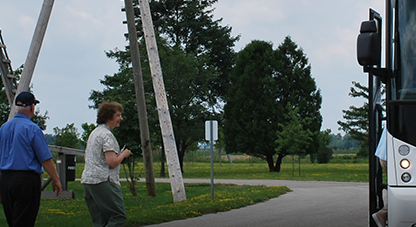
(379, 220)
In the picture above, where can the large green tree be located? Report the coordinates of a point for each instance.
(185, 80)
(196, 56)
(297, 86)
(263, 83)
(251, 112)
(189, 24)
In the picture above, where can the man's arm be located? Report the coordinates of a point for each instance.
(50, 168)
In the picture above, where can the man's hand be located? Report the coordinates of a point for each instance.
(49, 166)
(56, 185)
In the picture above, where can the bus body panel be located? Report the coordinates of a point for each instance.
(401, 193)
(401, 206)
(394, 157)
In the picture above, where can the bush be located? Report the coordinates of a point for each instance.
(324, 155)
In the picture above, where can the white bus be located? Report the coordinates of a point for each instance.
(398, 75)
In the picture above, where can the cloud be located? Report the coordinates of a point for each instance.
(339, 50)
(27, 23)
(80, 24)
(249, 13)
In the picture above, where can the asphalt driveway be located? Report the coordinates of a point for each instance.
(311, 203)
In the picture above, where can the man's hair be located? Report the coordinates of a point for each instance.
(106, 111)
(21, 108)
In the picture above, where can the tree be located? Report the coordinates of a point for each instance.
(293, 138)
(324, 153)
(196, 56)
(185, 80)
(251, 112)
(296, 85)
(40, 119)
(189, 24)
(263, 83)
(356, 119)
(5, 106)
(67, 137)
(88, 128)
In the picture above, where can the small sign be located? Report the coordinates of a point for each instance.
(208, 130)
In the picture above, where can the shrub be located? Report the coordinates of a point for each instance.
(324, 154)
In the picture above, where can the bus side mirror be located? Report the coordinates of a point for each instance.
(368, 44)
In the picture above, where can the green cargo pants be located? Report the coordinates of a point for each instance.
(105, 204)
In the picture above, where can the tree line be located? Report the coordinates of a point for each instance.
(342, 142)
(70, 137)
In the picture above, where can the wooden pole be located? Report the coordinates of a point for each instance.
(141, 102)
(35, 46)
(175, 174)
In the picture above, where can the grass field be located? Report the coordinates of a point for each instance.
(144, 210)
(343, 167)
(290, 171)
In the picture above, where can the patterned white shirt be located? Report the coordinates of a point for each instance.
(96, 168)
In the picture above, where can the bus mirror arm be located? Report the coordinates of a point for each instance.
(381, 73)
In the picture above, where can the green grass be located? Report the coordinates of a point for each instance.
(339, 156)
(346, 151)
(315, 172)
(345, 170)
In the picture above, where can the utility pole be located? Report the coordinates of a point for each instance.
(175, 174)
(35, 46)
(141, 102)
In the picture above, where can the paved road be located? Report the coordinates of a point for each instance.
(311, 204)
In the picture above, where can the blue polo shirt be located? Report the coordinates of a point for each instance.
(22, 145)
(381, 151)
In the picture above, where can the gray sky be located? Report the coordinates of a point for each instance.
(72, 60)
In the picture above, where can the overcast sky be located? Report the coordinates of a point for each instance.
(72, 60)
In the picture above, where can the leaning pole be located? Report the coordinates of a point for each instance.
(175, 173)
(35, 46)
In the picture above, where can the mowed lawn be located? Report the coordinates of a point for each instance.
(345, 172)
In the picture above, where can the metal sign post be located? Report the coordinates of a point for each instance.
(211, 134)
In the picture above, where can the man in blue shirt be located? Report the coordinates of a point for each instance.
(24, 154)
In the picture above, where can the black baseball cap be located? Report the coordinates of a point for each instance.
(25, 99)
